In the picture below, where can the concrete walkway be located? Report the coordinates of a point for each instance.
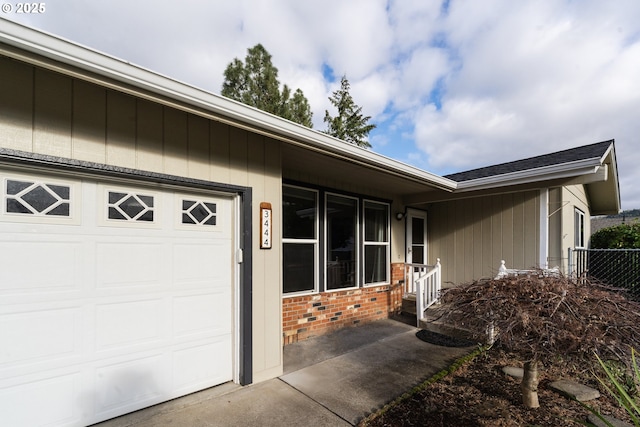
(333, 380)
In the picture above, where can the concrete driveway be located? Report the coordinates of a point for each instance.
(333, 380)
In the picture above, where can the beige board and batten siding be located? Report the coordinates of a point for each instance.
(574, 197)
(47, 113)
(471, 236)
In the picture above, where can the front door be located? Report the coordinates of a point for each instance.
(416, 250)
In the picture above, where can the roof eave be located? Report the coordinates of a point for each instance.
(546, 173)
(63, 51)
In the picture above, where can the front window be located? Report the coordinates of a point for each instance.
(341, 219)
(333, 241)
(376, 242)
(579, 231)
(300, 239)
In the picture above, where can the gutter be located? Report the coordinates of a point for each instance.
(545, 173)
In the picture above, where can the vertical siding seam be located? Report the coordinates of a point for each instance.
(209, 150)
(163, 137)
(33, 108)
(189, 143)
(106, 126)
(73, 118)
(136, 124)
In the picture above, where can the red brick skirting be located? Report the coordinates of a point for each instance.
(317, 314)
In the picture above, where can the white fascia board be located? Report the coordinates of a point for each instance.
(560, 171)
(75, 55)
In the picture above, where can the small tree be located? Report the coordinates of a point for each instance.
(349, 125)
(540, 318)
(255, 83)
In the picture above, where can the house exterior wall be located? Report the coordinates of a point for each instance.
(471, 236)
(48, 113)
(574, 197)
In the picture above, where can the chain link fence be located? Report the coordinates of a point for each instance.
(616, 267)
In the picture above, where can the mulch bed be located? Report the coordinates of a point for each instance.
(442, 340)
(480, 394)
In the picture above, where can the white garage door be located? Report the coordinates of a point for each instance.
(112, 298)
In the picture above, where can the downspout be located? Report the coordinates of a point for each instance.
(543, 256)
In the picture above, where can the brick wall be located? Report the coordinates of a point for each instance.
(317, 314)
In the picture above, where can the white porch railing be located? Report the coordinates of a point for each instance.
(503, 271)
(425, 281)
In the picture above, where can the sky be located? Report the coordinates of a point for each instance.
(451, 85)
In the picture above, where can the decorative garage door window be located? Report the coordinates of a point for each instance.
(130, 206)
(198, 212)
(37, 198)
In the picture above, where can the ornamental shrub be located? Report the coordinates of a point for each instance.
(623, 236)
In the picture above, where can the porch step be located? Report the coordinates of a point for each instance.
(409, 304)
(433, 320)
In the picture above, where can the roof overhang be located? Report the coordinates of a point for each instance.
(56, 54)
(599, 175)
(583, 168)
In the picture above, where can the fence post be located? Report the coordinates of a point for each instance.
(570, 263)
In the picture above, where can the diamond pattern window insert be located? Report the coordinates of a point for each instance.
(37, 198)
(198, 213)
(125, 206)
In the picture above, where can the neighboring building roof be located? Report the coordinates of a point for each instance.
(586, 152)
(600, 222)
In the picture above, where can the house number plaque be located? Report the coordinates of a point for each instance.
(265, 225)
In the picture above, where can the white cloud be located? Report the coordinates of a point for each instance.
(513, 79)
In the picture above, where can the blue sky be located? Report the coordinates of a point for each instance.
(451, 85)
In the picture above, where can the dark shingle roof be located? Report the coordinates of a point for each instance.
(591, 151)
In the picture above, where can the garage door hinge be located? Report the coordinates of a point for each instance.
(239, 256)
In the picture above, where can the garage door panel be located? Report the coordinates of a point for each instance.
(197, 264)
(202, 314)
(44, 402)
(53, 334)
(188, 364)
(130, 385)
(130, 323)
(129, 264)
(37, 265)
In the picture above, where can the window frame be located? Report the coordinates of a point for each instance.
(306, 241)
(158, 204)
(386, 244)
(356, 243)
(320, 243)
(74, 201)
(579, 228)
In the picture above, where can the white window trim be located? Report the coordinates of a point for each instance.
(356, 245)
(579, 238)
(75, 200)
(103, 220)
(387, 244)
(316, 245)
(220, 216)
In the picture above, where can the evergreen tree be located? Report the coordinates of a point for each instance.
(349, 125)
(255, 83)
